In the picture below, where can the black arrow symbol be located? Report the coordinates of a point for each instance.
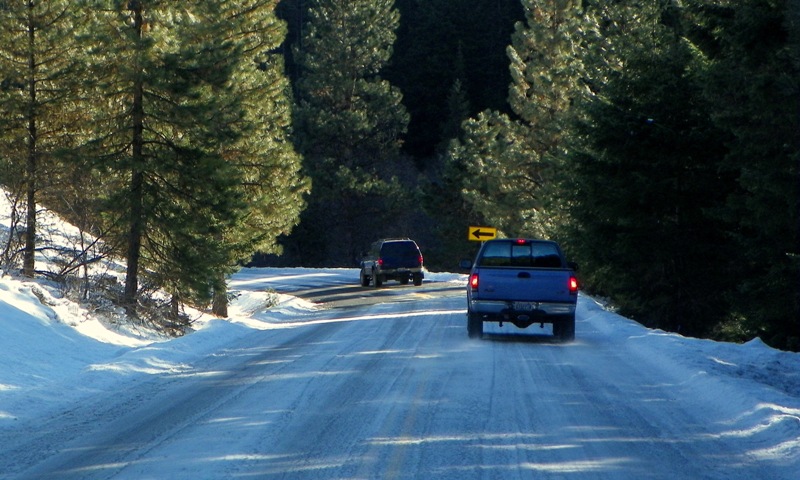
(479, 233)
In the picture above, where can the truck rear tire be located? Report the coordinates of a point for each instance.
(564, 329)
(474, 325)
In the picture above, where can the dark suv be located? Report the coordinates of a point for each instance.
(392, 259)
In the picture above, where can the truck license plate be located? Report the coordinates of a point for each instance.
(525, 306)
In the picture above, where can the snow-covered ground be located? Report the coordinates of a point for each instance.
(53, 352)
(53, 355)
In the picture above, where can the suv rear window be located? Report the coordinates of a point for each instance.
(513, 254)
(400, 249)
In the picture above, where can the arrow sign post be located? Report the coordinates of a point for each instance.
(481, 234)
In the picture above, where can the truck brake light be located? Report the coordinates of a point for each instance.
(473, 281)
(573, 284)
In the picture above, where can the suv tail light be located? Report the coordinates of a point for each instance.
(573, 284)
(380, 262)
(473, 282)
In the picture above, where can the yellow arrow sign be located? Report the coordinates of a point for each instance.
(481, 234)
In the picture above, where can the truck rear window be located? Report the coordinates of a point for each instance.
(511, 254)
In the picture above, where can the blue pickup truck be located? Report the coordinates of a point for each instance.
(522, 282)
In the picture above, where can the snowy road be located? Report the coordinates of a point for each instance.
(385, 384)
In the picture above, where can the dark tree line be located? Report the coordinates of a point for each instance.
(686, 169)
(657, 141)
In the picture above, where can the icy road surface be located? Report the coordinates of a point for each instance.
(385, 384)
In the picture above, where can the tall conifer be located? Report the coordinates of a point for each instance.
(164, 113)
(40, 66)
(513, 163)
(647, 177)
(349, 124)
(263, 155)
(753, 86)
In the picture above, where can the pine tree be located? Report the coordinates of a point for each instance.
(164, 114)
(441, 192)
(513, 163)
(501, 174)
(647, 177)
(349, 123)
(754, 56)
(268, 165)
(440, 41)
(40, 63)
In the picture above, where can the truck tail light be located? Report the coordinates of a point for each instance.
(473, 282)
(573, 284)
(420, 260)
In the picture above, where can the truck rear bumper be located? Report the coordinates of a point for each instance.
(504, 309)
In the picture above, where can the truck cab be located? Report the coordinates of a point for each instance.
(522, 282)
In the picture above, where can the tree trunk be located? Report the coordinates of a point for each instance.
(219, 306)
(29, 255)
(136, 225)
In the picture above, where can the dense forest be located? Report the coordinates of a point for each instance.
(659, 142)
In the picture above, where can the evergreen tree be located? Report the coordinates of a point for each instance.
(439, 42)
(754, 52)
(268, 165)
(349, 123)
(502, 174)
(165, 112)
(39, 67)
(513, 164)
(441, 193)
(647, 177)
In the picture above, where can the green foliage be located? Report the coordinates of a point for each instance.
(266, 162)
(754, 52)
(40, 63)
(191, 124)
(514, 164)
(648, 183)
(348, 125)
(546, 69)
(442, 199)
(346, 109)
(502, 173)
(439, 42)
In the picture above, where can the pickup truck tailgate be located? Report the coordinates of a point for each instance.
(526, 285)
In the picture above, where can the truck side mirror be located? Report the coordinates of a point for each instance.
(465, 264)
